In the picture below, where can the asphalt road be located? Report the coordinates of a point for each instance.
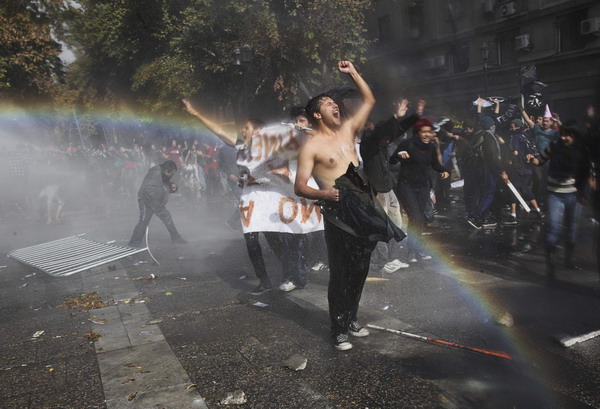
(193, 334)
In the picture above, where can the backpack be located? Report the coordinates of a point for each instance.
(473, 156)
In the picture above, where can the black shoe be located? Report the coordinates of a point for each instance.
(356, 330)
(260, 289)
(341, 343)
(474, 222)
(540, 215)
(510, 221)
(489, 223)
(179, 240)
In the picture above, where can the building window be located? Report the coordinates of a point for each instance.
(384, 29)
(460, 61)
(569, 37)
(505, 41)
(416, 18)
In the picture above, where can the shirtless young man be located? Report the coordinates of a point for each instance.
(326, 156)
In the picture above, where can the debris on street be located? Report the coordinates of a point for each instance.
(132, 396)
(92, 336)
(88, 301)
(38, 334)
(296, 362)
(506, 319)
(234, 398)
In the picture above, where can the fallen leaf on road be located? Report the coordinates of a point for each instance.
(132, 396)
(88, 301)
(126, 381)
(92, 336)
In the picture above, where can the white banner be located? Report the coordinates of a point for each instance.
(268, 201)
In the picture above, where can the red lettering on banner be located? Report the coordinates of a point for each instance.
(246, 212)
(282, 205)
(283, 171)
(307, 210)
(272, 144)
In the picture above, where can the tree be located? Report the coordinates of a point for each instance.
(154, 52)
(30, 66)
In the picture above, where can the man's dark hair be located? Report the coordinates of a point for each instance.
(168, 166)
(297, 111)
(572, 128)
(256, 123)
(313, 106)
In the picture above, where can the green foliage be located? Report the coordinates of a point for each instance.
(29, 62)
(154, 52)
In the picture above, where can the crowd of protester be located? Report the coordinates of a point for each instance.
(106, 172)
(512, 165)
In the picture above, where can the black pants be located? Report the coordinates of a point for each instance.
(414, 200)
(349, 259)
(145, 215)
(288, 249)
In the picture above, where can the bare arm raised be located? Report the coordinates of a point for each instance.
(213, 126)
(358, 120)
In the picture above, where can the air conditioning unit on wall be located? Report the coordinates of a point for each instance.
(590, 26)
(522, 42)
(508, 9)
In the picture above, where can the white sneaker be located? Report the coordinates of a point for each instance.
(287, 286)
(393, 266)
(318, 266)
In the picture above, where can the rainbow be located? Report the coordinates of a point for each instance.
(35, 125)
(18, 125)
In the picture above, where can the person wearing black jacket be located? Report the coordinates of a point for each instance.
(493, 171)
(565, 187)
(152, 199)
(375, 154)
(417, 155)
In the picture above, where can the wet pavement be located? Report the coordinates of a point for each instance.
(193, 334)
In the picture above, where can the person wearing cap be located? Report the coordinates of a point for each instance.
(520, 154)
(417, 155)
(491, 198)
(152, 199)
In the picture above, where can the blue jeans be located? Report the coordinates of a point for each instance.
(561, 208)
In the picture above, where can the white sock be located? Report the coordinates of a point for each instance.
(514, 215)
(538, 210)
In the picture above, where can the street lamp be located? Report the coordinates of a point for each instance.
(242, 57)
(485, 55)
